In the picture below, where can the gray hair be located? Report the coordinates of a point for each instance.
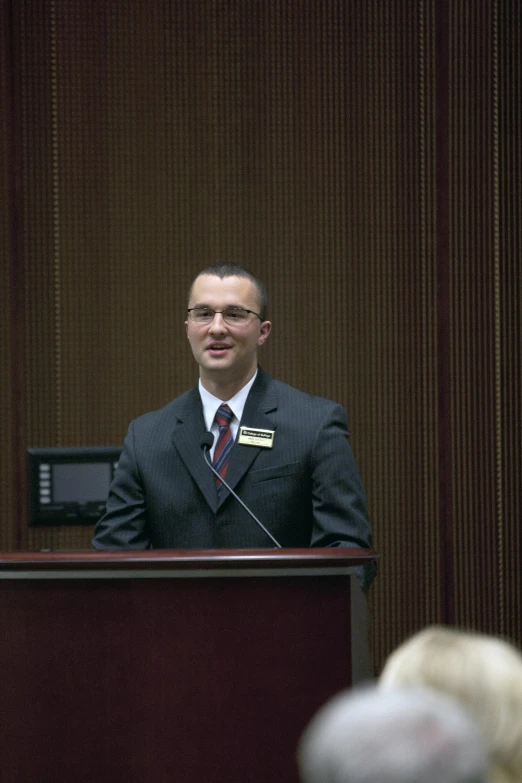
(408, 735)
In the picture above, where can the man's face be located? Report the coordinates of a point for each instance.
(226, 352)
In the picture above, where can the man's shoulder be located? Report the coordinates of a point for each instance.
(291, 395)
(285, 390)
(159, 416)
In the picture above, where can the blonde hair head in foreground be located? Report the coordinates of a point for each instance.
(483, 673)
(409, 735)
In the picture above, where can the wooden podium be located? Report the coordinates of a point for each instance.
(172, 666)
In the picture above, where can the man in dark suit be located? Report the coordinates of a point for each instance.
(285, 452)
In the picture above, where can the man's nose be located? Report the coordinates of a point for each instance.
(218, 325)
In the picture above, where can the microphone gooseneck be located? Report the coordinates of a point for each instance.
(206, 444)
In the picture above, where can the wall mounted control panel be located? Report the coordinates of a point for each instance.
(70, 486)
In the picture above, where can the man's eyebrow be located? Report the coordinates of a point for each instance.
(225, 307)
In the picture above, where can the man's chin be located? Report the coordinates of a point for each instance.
(218, 362)
(217, 365)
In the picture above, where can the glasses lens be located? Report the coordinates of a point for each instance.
(235, 315)
(232, 316)
(202, 315)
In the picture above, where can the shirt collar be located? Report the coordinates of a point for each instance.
(236, 403)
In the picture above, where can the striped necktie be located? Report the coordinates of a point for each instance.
(224, 443)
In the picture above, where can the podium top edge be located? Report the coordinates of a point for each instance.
(186, 559)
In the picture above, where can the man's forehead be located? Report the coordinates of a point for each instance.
(209, 288)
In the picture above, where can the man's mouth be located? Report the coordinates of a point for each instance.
(218, 348)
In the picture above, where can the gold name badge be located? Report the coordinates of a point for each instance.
(250, 437)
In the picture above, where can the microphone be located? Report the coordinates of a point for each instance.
(206, 443)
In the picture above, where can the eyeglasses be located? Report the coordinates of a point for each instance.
(233, 316)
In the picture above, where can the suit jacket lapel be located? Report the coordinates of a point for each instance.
(260, 401)
(186, 437)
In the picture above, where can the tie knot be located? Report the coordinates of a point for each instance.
(224, 416)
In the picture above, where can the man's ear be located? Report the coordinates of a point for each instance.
(266, 328)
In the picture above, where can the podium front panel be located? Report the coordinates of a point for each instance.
(167, 674)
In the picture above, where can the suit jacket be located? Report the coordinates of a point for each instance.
(306, 490)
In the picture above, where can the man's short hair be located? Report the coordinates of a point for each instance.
(398, 736)
(227, 269)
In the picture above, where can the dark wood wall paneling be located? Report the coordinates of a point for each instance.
(364, 159)
(9, 295)
(508, 314)
(483, 282)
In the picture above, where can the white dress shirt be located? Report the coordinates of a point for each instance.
(236, 405)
